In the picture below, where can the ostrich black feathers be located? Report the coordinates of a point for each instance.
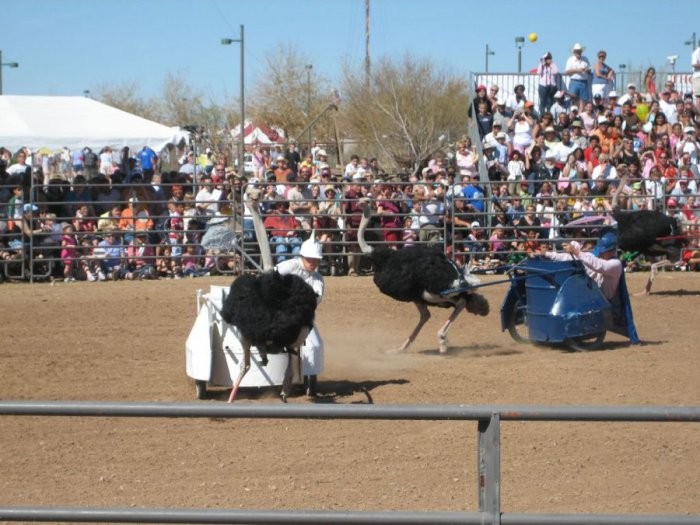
(640, 231)
(270, 309)
(405, 274)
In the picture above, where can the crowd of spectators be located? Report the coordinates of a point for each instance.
(537, 174)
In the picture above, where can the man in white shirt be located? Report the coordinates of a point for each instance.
(604, 169)
(631, 95)
(689, 144)
(207, 198)
(564, 147)
(668, 107)
(578, 69)
(695, 64)
(306, 266)
(351, 168)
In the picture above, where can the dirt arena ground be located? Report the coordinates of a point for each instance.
(124, 341)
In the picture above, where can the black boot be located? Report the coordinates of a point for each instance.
(310, 385)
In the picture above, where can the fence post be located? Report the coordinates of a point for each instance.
(489, 461)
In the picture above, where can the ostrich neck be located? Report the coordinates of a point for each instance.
(261, 235)
(366, 248)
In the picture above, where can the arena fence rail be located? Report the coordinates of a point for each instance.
(488, 417)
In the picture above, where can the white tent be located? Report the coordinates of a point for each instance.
(76, 122)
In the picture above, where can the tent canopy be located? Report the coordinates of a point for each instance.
(256, 135)
(76, 122)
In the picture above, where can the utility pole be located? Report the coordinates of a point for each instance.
(489, 52)
(308, 67)
(241, 145)
(9, 64)
(367, 62)
(519, 41)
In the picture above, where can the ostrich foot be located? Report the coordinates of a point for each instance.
(643, 293)
(443, 346)
(283, 397)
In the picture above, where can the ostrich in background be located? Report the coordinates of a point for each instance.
(422, 275)
(271, 311)
(652, 233)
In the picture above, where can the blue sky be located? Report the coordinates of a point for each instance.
(68, 46)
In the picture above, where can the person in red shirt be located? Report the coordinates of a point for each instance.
(284, 230)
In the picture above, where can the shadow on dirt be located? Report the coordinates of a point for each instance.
(477, 350)
(327, 391)
(606, 346)
(334, 391)
(677, 293)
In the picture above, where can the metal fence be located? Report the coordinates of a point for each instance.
(488, 418)
(507, 82)
(39, 257)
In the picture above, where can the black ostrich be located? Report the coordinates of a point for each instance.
(422, 275)
(271, 311)
(653, 234)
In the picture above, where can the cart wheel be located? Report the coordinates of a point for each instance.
(586, 342)
(200, 388)
(517, 325)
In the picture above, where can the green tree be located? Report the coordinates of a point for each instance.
(403, 109)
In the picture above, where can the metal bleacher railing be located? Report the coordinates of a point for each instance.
(39, 256)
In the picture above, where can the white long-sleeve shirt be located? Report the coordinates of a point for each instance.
(605, 273)
(313, 279)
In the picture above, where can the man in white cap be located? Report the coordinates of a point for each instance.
(578, 69)
(306, 267)
(631, 95)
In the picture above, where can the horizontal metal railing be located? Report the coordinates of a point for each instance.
(487, 416)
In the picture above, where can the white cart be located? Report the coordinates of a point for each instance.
(213, 351)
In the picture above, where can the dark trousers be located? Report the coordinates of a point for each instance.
(546, 94)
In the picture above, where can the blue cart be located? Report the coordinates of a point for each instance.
(557, 302)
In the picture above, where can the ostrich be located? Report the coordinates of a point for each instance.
(271, 311)
(651, 233)
(422, 275)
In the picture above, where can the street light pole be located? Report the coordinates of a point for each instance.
(3, 64)
(622, 74)
(519, 41)
(241, 145)
(691, 42)
(309, 67)
(488, 52)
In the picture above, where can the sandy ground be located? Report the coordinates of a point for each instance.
(125, 341)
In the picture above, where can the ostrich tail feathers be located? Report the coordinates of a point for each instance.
(477, 304)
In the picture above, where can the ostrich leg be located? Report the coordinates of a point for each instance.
(655, 267)
(424, 316)
(242, 370)
(442, 333)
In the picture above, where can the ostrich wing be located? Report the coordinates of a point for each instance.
(405, 274)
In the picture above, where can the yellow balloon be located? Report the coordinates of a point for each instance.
(532, 37)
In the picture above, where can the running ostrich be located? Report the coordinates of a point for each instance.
(424, 276)
(271, 311)
(651, 233)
